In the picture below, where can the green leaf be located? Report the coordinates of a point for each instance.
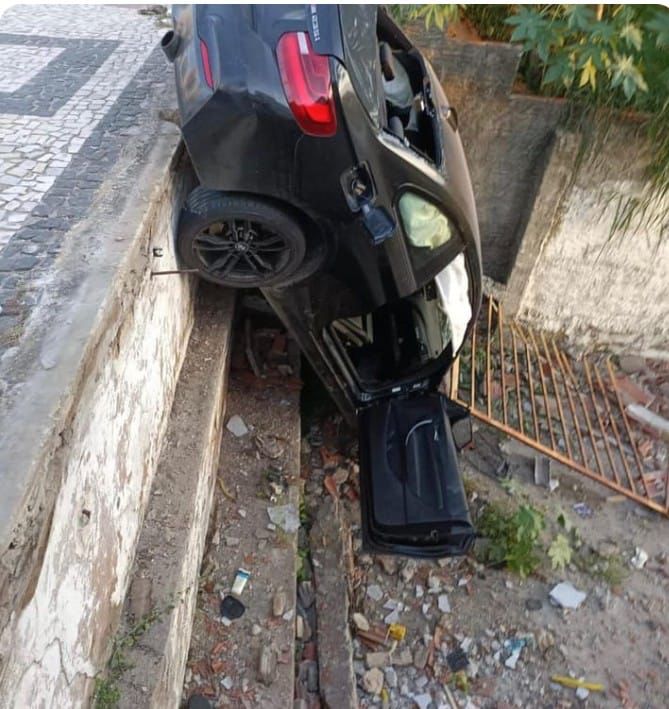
(659, 25)
(579, 17)
(560, 552)
(632, 35)
(589, 75)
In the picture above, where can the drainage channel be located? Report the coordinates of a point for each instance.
(585, 413)
(242, 650)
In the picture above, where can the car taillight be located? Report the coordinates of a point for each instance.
(206, 66)
(308, 85)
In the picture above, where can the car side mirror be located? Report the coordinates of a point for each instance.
(378, 223)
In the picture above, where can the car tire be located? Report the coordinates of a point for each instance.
(238, 241)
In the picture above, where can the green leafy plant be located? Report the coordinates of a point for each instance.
(437, 15)
(560, 552)
(605, 59)
(513, 537)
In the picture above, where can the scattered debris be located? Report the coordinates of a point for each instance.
(267, 664)
(646, 417)
(286, 517)
(374, 592)
(232, 608)
(457, 660)
(360, 622)
(583, 510)
(533, 604)
(573, 683)
(279, 602)
(236, 426)
(372, 681)
(514, 646)
(443, 603)
(397, 631)
(566, 596)
(639, 559)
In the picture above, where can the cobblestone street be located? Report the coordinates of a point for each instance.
(75, 82)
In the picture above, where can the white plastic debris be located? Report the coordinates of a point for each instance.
(286, 517)
(640, 558)
(565, 595)
(236, 426)
(582, 693)
(444, 605)
(420, 591)
(423, 701)
(392, 617)
(374, 592)
(227, 683)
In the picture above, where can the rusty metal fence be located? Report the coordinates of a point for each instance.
(523, 383)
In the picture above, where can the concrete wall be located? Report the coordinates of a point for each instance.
(595, 285)
(81, 475)
(546, 207)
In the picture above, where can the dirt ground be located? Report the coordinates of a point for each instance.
(618, 637)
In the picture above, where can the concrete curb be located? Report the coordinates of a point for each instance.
(83, 415)
(169, 553)
(335, 649)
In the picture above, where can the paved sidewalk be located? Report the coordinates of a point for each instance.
(75, 84)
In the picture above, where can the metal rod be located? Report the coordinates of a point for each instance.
(528, 357)
(557, 395)
(639, 464)
(572, 408)
(543, 388)
(170, 273)
(614, 427)
(455, 378)
(519, 403)
(488, 363)
(501, 355)
(552, 453)
(581, 398)
(599, 418)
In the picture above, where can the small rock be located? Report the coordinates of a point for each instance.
(420, 591)
(236, 426)
(444, 605)
(630, 364)
(267, 664)
(372, 681)
(231, 541)
(392, 617)
(388, 564)
(256, 629)
(533, 604)
(285, 516)
(422, 700)
(377, 659)
(227, 683)
(305, 591)
(408, 571)
(433, 584)
(360, 622)
(420, 657)
(545, 640)
(639, 559)
(374, 592)
(279, 602)
(391, 677)
(299, 627)
(425, 608)
(421, 681)
(403, 658)
(340, 476)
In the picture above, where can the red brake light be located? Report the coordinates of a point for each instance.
(206, 66)
(307, 83)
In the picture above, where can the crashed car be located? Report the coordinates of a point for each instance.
(332, 177)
